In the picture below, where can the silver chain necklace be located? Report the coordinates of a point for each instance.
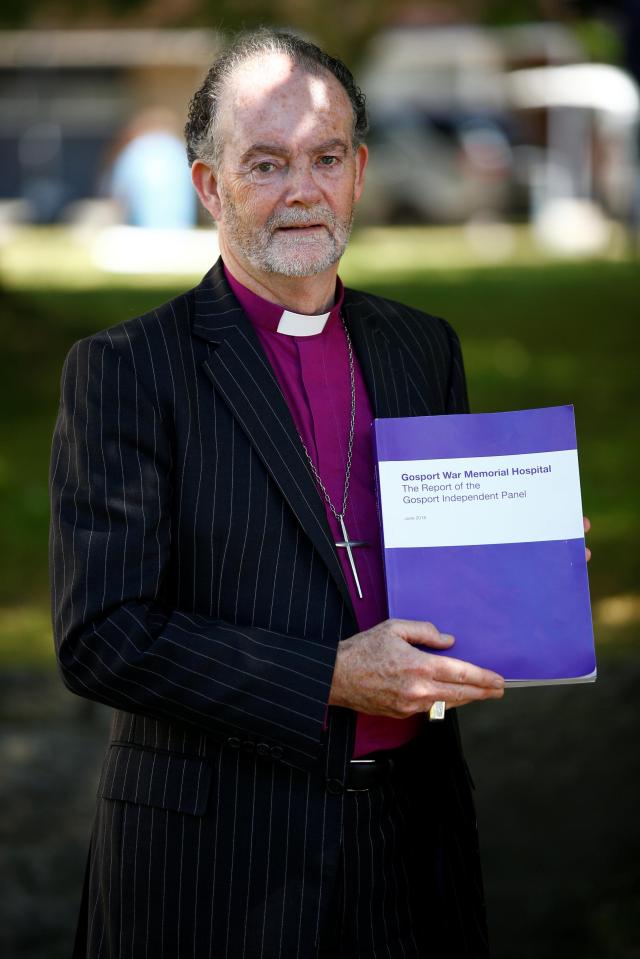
(345, 542)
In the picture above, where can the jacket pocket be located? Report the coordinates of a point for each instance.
(150, 777)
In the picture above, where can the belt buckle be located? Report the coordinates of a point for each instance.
(365, 763)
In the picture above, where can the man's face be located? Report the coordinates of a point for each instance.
(288, 175)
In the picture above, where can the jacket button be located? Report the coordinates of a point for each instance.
(262, 749)
(276, 752)
(335, 787)
(234, 742)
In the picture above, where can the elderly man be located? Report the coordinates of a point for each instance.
(273, 786)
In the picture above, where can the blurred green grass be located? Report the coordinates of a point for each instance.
(534, 333)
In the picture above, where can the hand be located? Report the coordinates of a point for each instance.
(586, 522)
(379, 672)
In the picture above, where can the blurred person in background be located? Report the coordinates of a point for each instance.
(273, 786)
(149, 177)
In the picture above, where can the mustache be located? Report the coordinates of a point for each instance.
(313, 217)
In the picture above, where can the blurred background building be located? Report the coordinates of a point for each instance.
(72, 102)
(507, 123)
(476, 113)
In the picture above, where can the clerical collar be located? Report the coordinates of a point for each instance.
(276, 319)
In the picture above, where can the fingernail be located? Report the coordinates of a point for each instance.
(448, 638)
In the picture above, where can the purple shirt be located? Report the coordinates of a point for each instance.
(313, 374)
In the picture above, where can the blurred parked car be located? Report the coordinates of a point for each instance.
(459, 134)
(435, 167)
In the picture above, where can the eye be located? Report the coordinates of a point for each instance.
(265, 167)
(328, 160)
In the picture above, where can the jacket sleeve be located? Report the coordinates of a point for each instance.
(110, 542)
(457, 400)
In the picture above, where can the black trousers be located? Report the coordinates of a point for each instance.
(387, 903)
(391, 898)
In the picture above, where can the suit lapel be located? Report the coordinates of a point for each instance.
(381, 358)
(242, 375)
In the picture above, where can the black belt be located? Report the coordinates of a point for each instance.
(363, 774)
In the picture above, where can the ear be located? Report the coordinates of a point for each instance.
(206, 184)
(362, 156)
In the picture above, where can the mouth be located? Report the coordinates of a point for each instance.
(301, 228)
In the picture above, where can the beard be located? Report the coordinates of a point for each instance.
(272, 249)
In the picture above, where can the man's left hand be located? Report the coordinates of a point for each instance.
(586, 522)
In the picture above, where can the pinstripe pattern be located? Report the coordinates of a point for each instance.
(196, 589)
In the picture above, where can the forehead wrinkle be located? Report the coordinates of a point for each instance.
(277, 149)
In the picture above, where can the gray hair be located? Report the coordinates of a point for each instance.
(201, 131)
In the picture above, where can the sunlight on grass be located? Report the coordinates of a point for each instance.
(25, 637)
(616, 623)
(618, 610)
(66, 257)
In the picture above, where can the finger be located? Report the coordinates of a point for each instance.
(456, 672)
(465, 702)
(586, 522)
(587, 553)
(460, 695)
(421, 633)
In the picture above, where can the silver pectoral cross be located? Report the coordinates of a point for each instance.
(347, 544)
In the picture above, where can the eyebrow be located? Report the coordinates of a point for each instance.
(276, 149)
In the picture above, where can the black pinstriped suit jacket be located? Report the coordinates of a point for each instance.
(197, 591)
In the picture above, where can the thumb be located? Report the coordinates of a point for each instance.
(419, 633)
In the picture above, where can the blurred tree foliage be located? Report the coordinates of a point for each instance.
(600, 41)
(498, 12)
(342, 28)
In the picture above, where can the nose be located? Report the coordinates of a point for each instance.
(302, 188)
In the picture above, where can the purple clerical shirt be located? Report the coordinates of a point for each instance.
(313, 374)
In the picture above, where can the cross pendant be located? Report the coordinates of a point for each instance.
(347, 543)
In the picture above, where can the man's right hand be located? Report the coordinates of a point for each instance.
(380, 673)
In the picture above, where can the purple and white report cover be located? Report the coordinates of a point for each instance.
(482, 530)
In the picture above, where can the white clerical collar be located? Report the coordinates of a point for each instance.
(297, 324)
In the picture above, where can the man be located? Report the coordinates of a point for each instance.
(273, 786)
